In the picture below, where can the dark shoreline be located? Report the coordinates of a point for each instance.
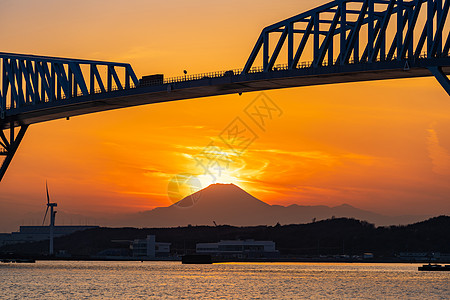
(334, 241)
(230, 260)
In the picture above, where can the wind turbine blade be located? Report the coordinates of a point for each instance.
(48, 197)
(43, 221)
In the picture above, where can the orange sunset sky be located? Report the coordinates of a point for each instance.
(382, 146)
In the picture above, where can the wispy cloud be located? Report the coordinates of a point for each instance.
(183, 127)
(440, 157)
(322, 157)
(142, 193)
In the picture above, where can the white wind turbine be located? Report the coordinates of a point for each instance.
(52, 218)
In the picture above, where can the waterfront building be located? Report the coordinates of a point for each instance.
(150, 248)
(38, 233)
(424, 256)
(239, 249)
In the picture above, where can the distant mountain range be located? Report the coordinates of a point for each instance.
(227, 204)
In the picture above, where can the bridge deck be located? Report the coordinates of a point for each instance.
(223, 85)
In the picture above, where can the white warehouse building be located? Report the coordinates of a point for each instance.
(150, 248)
(239, 248)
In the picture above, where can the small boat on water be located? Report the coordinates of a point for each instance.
(197, 259)
(434, 267)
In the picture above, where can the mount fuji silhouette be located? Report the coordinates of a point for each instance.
(228, 204)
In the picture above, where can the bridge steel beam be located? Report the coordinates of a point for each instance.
(436, 49)
(9, 145)
(412, 21)
(441, 78)
(447, 46)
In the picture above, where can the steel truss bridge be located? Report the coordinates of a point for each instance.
(341, 41)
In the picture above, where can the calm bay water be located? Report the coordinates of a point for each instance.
(172, 280)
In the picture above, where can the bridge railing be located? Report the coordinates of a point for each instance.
(260, 69)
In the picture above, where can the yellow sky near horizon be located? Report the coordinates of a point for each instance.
(382, 146)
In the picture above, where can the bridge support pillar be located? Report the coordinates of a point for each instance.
(441, 77)
(9, 146)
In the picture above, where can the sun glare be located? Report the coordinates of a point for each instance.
(225, 177)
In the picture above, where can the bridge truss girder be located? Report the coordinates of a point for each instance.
(441, 78)
(30, 80)
(9, 143)
(337, 20)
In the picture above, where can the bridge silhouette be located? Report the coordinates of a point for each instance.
(341, 41)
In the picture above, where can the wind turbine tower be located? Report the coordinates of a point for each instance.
(52, 218)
